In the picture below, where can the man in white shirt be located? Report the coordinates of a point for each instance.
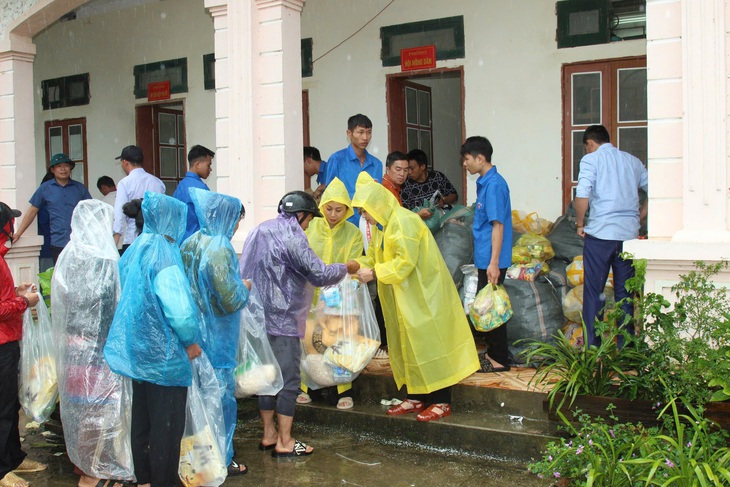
(130, 187)
(108, 190)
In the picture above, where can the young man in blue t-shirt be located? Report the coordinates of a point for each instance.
(492, 238)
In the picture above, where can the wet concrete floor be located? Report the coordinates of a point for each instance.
(340, 459)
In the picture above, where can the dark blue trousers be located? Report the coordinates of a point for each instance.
(600, 256)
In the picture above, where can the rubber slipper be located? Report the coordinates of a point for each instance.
(12, 480)
(263, 447)
(234, 469)
(399, 409)
(29, 466)
(299, 450)
(345, 403)
(429, 414)
(303, 398)
(486, 366)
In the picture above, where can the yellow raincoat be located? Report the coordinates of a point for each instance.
(344, 241)
(334, 245)
(429, 340)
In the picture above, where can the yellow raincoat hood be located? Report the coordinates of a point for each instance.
(344, 241)
(429, 340)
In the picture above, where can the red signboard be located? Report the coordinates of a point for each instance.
(158, 91)
(423, 57)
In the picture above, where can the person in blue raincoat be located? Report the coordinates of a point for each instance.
(211, 265)
(278, 260)
(153, 338)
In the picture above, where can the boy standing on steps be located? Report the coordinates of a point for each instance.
(348, 163)
(492, 238)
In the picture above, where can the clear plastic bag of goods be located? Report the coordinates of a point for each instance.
(521, 254)
(491, 308)
(573, 302)
(538, 246)
(524, 272)
(574, 271)
(38, 381)
(341, 336)
(202, 448)
(471, 282)
(573, 332)
(257, 372)
(524, 222)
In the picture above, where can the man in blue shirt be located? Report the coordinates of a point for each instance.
(200, 160)
(348, 163)
(59, 196)
(492, 238)
(609, 181)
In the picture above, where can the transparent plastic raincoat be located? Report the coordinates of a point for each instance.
(156, 318)
(211, 265)
(96, 403)
(429, 340)
(279, 260)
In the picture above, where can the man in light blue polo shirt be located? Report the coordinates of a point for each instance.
(348, 163)
(608, 182)
(59, 196)
(492, 238)
(200, 161)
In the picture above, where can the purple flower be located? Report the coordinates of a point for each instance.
(611, 432)
(556, 475)
(689, 444)
(550, 458)
(669, 463)
(590, 442)
(539, 476)
(579, 450)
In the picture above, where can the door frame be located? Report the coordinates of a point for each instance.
(145, 138)
(394, 101)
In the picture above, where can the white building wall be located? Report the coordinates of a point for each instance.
(108, 46)
(512, 81)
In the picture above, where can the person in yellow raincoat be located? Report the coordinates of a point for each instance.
(430, 343)
(334, 240)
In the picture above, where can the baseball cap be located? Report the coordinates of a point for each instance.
(7, 214)
(131, 153)
(61, 158)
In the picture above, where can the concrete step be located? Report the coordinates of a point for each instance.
(501, 424)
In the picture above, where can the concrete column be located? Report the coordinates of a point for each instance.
(688, 139)
(17, 165)
(258, 103)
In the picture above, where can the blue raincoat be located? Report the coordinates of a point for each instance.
(211, 265)
(280, 262)
(156, 318)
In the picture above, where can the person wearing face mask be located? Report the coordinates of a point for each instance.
(334, 240)
(13, 303)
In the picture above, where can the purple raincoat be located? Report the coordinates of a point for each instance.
(278, 260)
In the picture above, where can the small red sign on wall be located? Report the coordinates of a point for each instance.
(423, 57)
(158, 91)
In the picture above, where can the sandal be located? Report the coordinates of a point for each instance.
(263, 447)
(299, 450)
(486, 366)
(435, 411)
(29, 466)
(303, 398)
(416, 407)
(12, 480)
(345, 403)
(234, 469)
